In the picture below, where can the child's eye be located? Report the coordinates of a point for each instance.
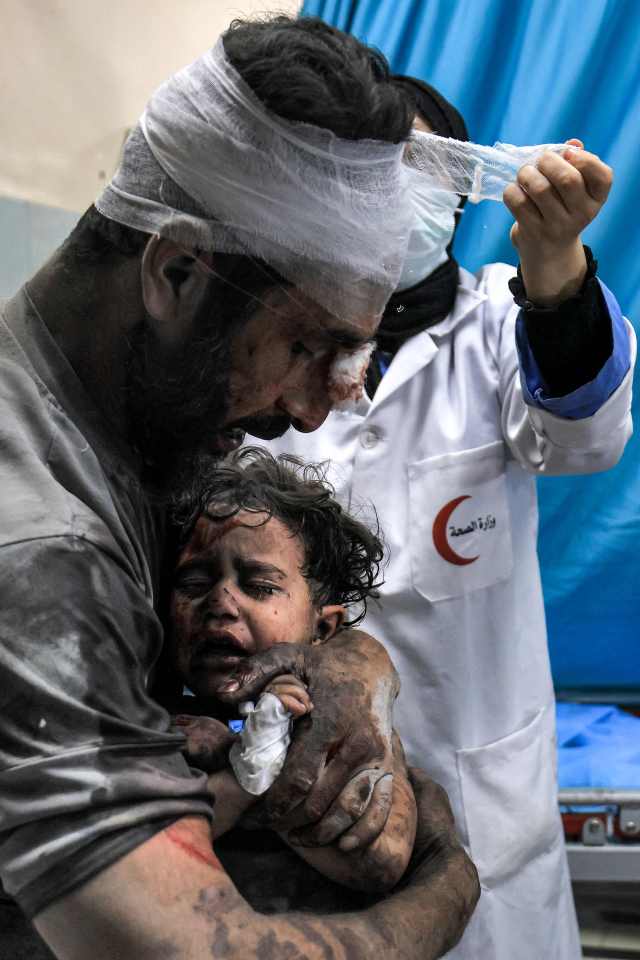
(193, 586)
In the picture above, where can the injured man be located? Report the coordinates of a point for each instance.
(268, 557)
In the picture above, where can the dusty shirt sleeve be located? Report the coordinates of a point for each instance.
(88, 767)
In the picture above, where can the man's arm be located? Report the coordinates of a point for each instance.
(348, 737)
(374, 868)
(170, 899)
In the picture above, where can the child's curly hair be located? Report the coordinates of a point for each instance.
(342, 556)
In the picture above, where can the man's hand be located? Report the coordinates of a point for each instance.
(208, 741)
(552, 204)
(337, 778)
(377, 867)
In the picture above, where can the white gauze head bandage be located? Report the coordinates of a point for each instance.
(470, 169)
(332, 216)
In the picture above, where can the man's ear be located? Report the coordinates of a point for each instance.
(330, 619)
(173, 286)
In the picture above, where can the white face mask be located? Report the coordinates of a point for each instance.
(433, 227)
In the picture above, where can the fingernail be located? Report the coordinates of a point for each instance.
(183, 720)
(229, 687)
(348, 843)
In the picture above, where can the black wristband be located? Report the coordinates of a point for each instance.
(516, 285)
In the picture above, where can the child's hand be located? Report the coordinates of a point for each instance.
(552, 204)
(292, 694)
(208, 741)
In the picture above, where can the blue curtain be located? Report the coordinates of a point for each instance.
(535, 71)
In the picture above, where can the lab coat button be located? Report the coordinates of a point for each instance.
(369, 439)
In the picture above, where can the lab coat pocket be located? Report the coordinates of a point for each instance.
(459, 529)
(510, 804)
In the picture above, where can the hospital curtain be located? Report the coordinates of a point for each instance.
(535, 71)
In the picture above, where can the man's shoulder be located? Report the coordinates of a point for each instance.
(51, 480)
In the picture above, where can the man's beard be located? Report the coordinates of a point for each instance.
(265, 427)
(177, 407)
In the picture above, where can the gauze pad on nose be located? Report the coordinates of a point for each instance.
(347, 374)
(471, 169)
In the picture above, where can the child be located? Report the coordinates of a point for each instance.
(270, 557)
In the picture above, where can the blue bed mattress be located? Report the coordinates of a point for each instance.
(598, 746)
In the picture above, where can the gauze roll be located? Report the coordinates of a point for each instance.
(257, 757)
(470, 169)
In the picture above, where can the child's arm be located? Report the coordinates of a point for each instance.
(231, 801)
(207, 747)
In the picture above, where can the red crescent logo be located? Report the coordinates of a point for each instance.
(440, 541)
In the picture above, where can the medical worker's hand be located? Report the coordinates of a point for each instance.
(338, 776)
(552, 204)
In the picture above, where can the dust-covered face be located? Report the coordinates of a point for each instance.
(238, 589)
(281, 362)
(261, 373)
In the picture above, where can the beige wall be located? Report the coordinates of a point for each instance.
(75, 74)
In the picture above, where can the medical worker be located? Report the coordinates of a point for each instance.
(469, 397)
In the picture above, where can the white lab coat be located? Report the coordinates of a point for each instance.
(476, 708)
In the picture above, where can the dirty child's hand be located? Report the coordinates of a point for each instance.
(292, 694)
(208, 741)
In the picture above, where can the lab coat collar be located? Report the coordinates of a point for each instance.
(468, 297)
(419, 350)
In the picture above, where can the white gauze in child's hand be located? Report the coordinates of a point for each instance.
(347, 374)
(470, 169)
(258, 756)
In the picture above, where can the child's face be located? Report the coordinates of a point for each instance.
(238, 590)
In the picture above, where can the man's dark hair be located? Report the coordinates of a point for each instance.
(342, 556)
(301, 69)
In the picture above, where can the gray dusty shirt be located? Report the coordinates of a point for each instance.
(88, 767)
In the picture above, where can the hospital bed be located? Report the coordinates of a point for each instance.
(599, 795)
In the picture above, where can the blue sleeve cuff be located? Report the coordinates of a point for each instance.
(586, 400)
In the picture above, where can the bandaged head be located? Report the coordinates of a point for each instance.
(330, 215)
(210, 167)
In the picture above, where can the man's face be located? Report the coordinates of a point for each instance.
(238, 589)
(280, 362)
(260, 371)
